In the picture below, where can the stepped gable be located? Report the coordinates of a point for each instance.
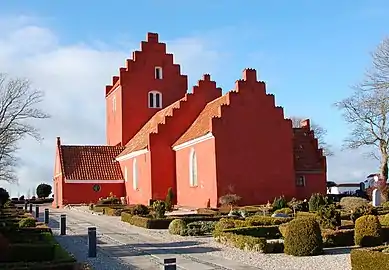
(90, 162)
(141, 139)
(307, 154)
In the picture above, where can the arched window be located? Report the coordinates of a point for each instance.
(193, 168)
(125, 174)
(155, 99)
(134, 174)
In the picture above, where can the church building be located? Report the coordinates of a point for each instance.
(203, 144)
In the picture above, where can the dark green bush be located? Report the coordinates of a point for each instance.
(369, 259)
(368, 231)
(268, 232)
(329, 217)
(265, 220)
(316, 201)
(285, 210)
(178, 227)
(30, 252)
(279, 203)
(169, 199)
(201, 227)
(159, 208)
(303, 238)
(338, 238)
(140, 210)
(27, 222)
(362, 211)
(248, 243)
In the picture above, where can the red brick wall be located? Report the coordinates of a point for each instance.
(114, 117)
(314, 183)
(206, 175)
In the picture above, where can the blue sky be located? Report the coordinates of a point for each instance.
(308, 52)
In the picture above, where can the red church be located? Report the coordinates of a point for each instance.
(202, 144)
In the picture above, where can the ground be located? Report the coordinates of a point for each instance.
(121, 245)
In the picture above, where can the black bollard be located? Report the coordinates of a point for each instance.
(63, 225)
(30, 210)
(46, 217)
(25, 206)
(170, 264)
(36, 211)
(92, 242)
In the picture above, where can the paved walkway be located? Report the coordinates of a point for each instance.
(140, 251)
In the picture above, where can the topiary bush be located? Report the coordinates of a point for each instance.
(159, 208)
(362, 211)
(329, 217)
(303, 238)
(384, 220)
(368, 231)
(178, 227)
(169, 199)
(352, 203)
(279, 203)
(285, 210)
(224, 223)
(316, 201)
(27, 222)
(140, 210)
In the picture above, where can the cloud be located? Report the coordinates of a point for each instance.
(74, 77)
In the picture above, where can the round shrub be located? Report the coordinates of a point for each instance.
(178, 227)
(368, 231)
(224, 223)
(303, 238)
(159, 208)
(351, 203)
(27, 222)
(384, 220)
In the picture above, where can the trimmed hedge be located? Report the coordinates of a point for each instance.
(369, 258)
(265, 220)
(338, 238)
(368, 231)
(267, 232)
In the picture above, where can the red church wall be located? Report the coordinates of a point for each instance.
(137, 79)
(58, 178)
(114, 116)
(314, 183)
(143, 192)
(206, 175)
(254, 150)
(163, 172)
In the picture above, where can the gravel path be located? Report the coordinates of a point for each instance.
(332, 259)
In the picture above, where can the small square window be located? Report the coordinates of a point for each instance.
(300, 181)
(158, 73)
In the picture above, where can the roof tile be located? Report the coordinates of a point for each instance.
(91, 162)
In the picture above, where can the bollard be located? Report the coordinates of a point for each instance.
(170, 264)
(63, 225)
(25, 206)
(36, 211)
(30, 210)
(46, 216)
(92, 242)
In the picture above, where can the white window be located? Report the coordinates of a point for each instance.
(193, 168)
(134, 174)
(158, 73)
(114, 103)
(300, 181)
(155, 99)
(125, 174)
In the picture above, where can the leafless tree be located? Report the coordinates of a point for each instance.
(18, 108)
(319, 132)
(367, 109)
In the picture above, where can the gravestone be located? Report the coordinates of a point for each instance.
(376, 196)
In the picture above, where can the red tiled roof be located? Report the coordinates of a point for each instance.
(141, 139)
(201, 125)
(306, 156)
(91, 162)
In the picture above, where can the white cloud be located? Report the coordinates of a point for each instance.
(74, 78)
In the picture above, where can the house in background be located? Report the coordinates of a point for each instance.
(202, 144)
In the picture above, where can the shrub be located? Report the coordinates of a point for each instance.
(298, 205)
(316, 201)
(351, 203)
(303, 238)
(109, 200)
(43, 190)
(338, 238)
(201, 227)
(362, 211)
(248, 243)
(169, 199)
(27, 222)
(268, 232)
(279, 203)
(369, 258)
(4, 197)
(367, 231)
(384, 220)
(283, 229)
(224, 223)
(306, 215)
(285, 210)
(329, 217)
(265, 220)
(159, 208)
(140, 210)
(178, 227)
(229, 199)
(91, 205)
(385, 205)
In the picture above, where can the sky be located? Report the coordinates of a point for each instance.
(309, 53)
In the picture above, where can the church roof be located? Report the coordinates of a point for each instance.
(91, 162)
(141, 139)
(202, 124)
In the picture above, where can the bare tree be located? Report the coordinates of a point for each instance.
(367, 109)
(18, 108)
(319, 132)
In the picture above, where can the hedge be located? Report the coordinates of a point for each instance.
(161, 223)
(265, 220)
(338, 238)
(369, 258)
(30, 252)
(267, 232)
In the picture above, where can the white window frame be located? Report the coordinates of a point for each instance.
(193, 169)
(134, 174)
(158, 71)
(125, 174)
(300, 179)
(152, 97)
(114, 103)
